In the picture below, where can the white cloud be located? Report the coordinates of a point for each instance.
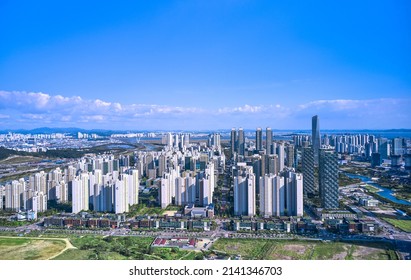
(38, 108)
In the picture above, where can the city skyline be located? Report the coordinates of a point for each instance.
(175, 65)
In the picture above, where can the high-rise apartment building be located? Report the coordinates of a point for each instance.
(281, 194)
(80, 190)
(39, 202)
(272, 195)
(294, 190)
(14, 194)
(244, 192)
(266, 195)
(121, 204)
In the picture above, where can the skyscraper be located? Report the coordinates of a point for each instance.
(259, 139)
(328, 179)
(241, 142)
(266, 195)
(245, 193)
(397, 147)
(308, 171)
(315, 137)
(81, 193)
(290, 156)
(294, 189)
(280, 153)
(268, 140)
(233, 139)
(272, 195)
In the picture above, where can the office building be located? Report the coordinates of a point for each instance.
(241, 142)
(290, 156)
(397, 147)
(328, 179)
(268, 141)
(310, 184)
(259, 139)
(281, 156)
(233, 141)
(375, 159)
(315, 137)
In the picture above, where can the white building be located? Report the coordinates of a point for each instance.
(80, 193)
(244, 193)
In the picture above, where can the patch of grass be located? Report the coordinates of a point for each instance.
(326, 251)
(110, 248)
(74, 254)
(29, 249)
(404, 225)
(13, 241)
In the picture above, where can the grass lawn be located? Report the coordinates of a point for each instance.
(175, 254)
(74, 254)
(371, 188)
(263, 249)
(404, 225)
(29, 249)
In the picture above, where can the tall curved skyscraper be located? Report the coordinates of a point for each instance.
(315, 137)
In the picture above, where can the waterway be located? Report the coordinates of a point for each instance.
(385, 192)
(147, 146)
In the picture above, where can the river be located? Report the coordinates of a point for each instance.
(385, 192)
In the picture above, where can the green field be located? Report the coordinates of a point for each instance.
(19, 159)
(29, 249)
(404, 225)
(262, 249)
(371, 188)
(122, 248)
(90, 247)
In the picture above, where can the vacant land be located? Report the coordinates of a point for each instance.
(404, 225)
(29, 248)
(262, 249)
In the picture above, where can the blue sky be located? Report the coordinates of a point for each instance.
(205, 64)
